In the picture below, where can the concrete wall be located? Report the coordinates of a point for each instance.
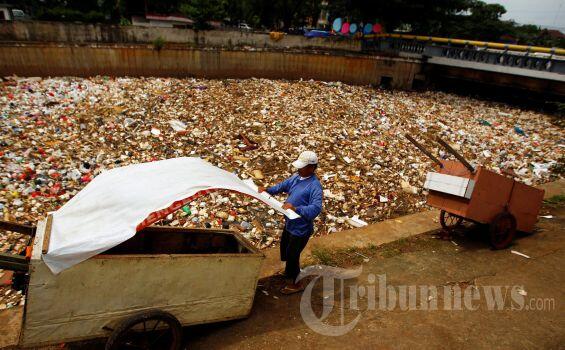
(143, 60)
(59, 32)
(38, 48)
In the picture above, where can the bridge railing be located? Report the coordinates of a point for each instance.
(501, 58)
(515, 56)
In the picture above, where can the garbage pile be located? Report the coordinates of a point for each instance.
(58, 134)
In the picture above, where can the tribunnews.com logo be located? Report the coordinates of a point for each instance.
(376, 294)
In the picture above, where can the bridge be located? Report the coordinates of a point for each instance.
(531, 68)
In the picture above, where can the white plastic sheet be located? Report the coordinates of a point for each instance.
(108, 210)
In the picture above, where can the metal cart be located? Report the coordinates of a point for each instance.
(479, 195)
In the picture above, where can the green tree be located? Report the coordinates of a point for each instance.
(422, 15)
(467, 19)
(202, 11)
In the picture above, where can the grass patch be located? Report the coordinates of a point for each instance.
(352, 256)
(324, 256)
(158, 43)
(555, 201)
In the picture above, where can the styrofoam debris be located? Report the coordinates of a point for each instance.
(521, 254)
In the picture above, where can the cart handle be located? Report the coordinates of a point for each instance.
(456, 155)
(424, 150)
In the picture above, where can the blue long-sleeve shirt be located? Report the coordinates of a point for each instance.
(306, 196)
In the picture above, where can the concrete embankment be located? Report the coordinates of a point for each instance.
(49, 59)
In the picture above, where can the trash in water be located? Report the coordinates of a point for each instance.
(58, 134)
(356, 222)
(519, 131)
(177, 125)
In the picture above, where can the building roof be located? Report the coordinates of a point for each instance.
(554, 33)
(170, 18)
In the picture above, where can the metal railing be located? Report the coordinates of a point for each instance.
(530, 58)
(485, 44)
(504, 58)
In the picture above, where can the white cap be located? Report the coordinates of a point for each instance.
(305, 158)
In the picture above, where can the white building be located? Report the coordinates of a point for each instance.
(163, 21)
(6, 12)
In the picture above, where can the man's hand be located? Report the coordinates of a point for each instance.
(261, 189)
(288, 206)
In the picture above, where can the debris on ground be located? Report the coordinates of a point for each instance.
(520, 254)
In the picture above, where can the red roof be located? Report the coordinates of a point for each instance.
(555, 33)
(172, 18)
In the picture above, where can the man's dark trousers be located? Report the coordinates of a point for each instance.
(291, 247)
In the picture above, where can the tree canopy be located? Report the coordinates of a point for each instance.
(467, 19)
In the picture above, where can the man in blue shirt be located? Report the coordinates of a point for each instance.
(305, 198)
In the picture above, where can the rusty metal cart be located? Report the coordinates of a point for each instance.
(140, 292)
(479, 195)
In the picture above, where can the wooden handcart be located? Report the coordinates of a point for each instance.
(463, 192)
(141, 292)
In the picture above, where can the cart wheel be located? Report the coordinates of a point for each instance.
(449, 221)
(502, 230)
(147, 330)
